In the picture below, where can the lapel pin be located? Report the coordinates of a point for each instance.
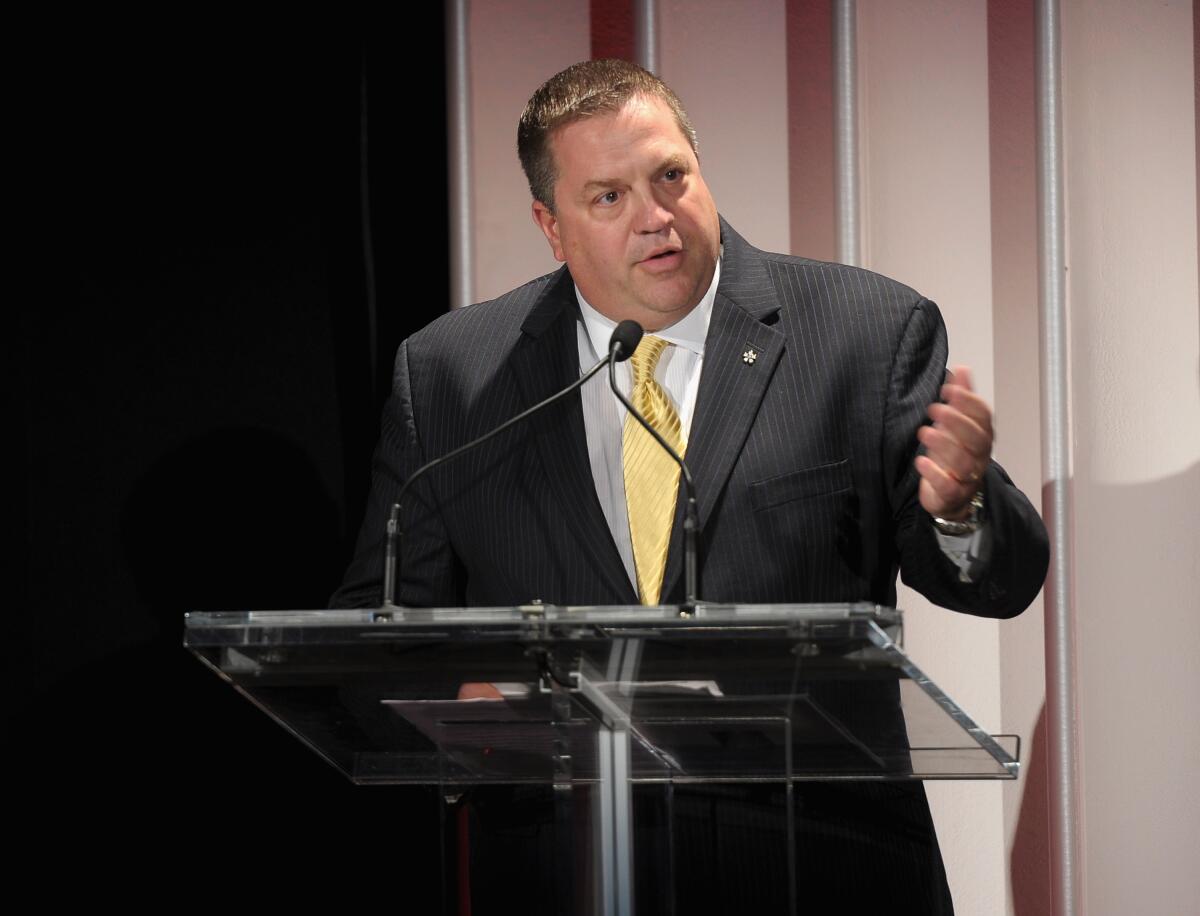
(750, 356)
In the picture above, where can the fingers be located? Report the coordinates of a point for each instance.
(964, 464)
(476, 690)
(958, 446)
(959, 392)
(940, 493)
(960, 375)
(974, 435)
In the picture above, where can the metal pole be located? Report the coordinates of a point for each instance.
(645, 34)
(458, 154)
(845, 131)
(1056, 460)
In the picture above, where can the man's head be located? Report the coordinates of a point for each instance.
(611, 162)
(585, 89)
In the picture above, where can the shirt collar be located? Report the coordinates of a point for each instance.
(688, 332)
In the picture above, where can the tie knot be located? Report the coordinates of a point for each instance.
(645, 359)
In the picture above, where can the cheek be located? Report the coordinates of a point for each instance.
(701, 212)
(596, 251)
(576, 252)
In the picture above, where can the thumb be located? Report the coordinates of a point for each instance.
(960, 375)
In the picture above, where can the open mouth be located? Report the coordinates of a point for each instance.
(662, 256)
(664, 263)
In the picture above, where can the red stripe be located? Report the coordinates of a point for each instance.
(612, 29)
(810, 128)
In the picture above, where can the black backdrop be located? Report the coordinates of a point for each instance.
(200, 395)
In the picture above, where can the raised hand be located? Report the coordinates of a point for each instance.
(958, 448)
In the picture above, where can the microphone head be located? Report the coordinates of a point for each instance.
(625, 339)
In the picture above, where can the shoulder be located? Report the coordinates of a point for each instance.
(485, 326)
(485, 333)
(820, 294)
(842, 283)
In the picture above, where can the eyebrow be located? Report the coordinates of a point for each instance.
(673, 162)
(598, 184)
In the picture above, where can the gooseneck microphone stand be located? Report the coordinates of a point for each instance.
(621, 345)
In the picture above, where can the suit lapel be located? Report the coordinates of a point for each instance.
(545, 361)
(740, 355)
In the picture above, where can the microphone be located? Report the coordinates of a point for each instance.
(625, 339)
(621, 344)
(629, 334)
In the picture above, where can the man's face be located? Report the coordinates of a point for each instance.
(633, 218)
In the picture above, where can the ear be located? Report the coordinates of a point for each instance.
(548, 223)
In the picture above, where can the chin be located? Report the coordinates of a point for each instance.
(679, 305)
(671, 297)
(667, 315)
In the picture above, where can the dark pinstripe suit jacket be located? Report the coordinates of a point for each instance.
(803, 457)
(803, 460)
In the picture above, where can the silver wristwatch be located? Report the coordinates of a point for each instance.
(968, 525)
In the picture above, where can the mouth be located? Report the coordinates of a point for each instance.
(665, 251)
(662, 259)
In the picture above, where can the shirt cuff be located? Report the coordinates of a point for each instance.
(969, 552)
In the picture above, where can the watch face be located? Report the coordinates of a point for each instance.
(968, 525)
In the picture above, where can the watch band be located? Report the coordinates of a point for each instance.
(968, 525)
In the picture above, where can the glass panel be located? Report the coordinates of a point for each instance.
(771, 693)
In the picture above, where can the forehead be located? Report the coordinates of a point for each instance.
(643, 126)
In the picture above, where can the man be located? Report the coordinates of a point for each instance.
(799, 390)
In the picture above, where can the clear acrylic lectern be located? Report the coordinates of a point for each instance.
(597, 703)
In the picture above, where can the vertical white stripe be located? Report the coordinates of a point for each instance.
(1132, 328)
(728, 63)
(925, 154)
(515, 47)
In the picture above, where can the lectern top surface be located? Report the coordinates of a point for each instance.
(663, 615)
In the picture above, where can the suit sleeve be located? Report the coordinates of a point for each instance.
(1016, 569)
(430, 574)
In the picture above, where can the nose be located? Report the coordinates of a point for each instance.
(654, 216)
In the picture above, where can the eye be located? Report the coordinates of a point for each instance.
(673, 174)
(608, 198)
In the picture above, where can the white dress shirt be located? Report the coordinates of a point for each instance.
(678, 373)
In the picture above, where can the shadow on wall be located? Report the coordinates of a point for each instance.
(1029, 862)
(1171, 503)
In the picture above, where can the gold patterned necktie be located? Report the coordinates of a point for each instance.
(651, 476)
